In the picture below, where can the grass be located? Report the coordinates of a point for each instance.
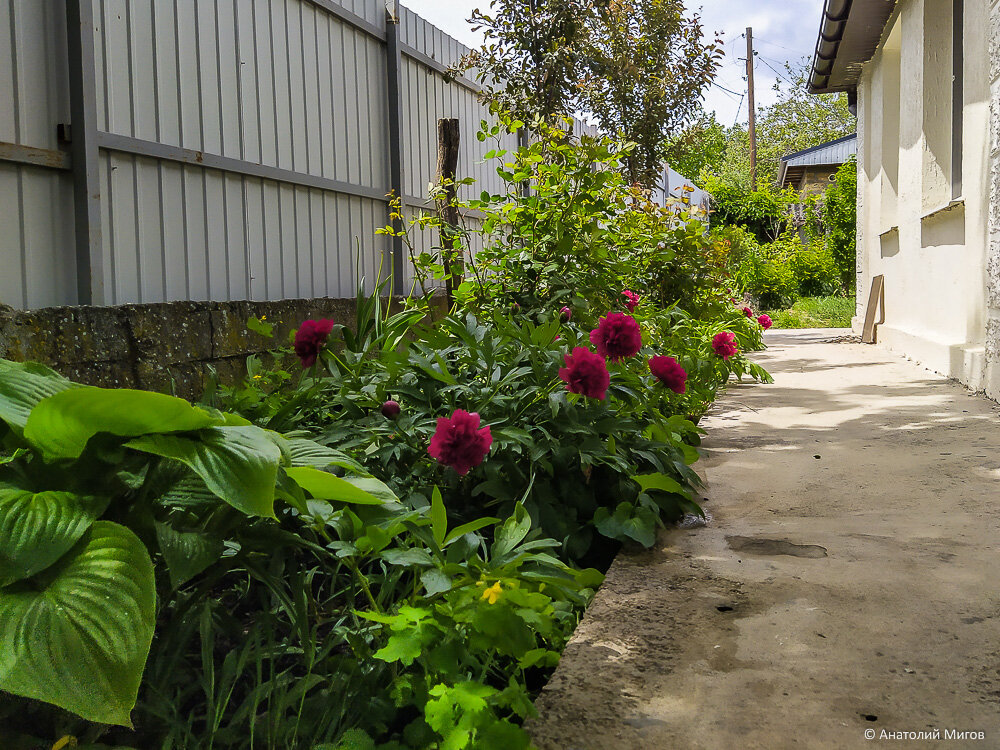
(815, 312)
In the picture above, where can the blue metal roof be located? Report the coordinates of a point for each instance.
(832, 152)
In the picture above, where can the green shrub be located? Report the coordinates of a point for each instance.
(815, 271)
(841, 216)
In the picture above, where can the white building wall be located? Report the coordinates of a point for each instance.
(930, 247)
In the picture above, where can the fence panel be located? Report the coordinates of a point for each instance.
(242, 146)
(35, 192)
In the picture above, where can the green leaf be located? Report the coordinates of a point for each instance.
(23, 386)
(80, 639)
(408, 557)
(439, 517)
(61, 425)
(323, 485)
(187, 553)
(238, 464)
(468, 528)
(512, 532)
(627, 522)
(402, 647)
(435, 581)
(305, 452)
(36, 529)
(262, 327)
(659, 482)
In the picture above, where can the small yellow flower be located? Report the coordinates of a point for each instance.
(258, 377)
(263, 317)
(492, 593)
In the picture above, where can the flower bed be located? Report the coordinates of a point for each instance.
(386, 534)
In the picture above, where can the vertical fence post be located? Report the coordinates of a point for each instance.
(84, 150)
(451, 244)
(393, 68)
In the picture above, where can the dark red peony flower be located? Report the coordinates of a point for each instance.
(586, 373)
(617, 336)
(669, 372)
(748, 312)
(309, 339)
(390, 409)
(565, 314)
(765, 321)
(631, 300)
(459, 442)
(724, 344)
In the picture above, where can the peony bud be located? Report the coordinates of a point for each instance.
(390, 409)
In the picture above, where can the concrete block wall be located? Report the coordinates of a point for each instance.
(166, 347)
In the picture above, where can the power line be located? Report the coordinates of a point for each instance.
(729, 91)
(765, 61)
(780, 46)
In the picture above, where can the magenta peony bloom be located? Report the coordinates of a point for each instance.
(586, 373)
(390, 409)
(631, 300)
(669, 372)
(765, 321)
(309, 339)
(724, 344)
(459, 442)
(748, 312)
(617, 336)
(566, 315)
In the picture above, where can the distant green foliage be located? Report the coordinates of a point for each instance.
(815, 312)
(763, 212)
(841, 220)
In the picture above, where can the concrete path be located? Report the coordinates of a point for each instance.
(848, 582)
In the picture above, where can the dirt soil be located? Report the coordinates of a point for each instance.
(847, 582)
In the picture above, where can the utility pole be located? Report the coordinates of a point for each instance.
(753, 111)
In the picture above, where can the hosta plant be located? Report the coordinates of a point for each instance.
(92, 486)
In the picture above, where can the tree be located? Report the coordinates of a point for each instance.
(699, 147)
(532, 60)
(646, 72)
(639, 67)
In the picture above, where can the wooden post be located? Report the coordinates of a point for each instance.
(393, 70)
(753, 110)
(451, 240)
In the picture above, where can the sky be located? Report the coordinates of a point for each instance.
(782, 29)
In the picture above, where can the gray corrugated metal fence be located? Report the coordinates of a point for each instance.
(221, 149)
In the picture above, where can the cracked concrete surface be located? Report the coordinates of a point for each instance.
(848, 580)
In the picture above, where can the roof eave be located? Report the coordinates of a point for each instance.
(849, 35)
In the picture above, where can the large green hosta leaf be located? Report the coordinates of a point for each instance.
(62, 424)
(238, 464)
(36, 529)
(80, 639)
(22, 386)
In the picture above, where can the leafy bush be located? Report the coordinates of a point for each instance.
(764, 213)
(815, 271)
(841, 217)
